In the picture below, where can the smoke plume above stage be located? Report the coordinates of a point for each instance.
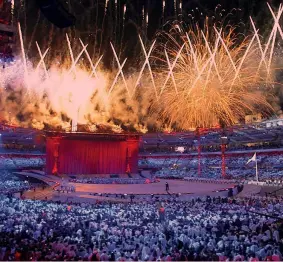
(188, 77)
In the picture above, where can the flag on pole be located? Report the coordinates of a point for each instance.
(253, 159)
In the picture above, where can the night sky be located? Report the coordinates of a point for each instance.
(98, 28)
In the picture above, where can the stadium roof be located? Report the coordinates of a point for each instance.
(237, 134)
(13, 134)
(7, 28)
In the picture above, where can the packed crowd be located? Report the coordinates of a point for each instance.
(64, 188)
(154, 229)
(16, 162)
(274, 182)
(11, 149)
(193, 148)
(269, 167)
(11, 184)
(111, 180)
(215, 229)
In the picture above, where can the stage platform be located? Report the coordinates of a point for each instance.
(40, 175)
(112, 192)
(175, 187)
(90, 193)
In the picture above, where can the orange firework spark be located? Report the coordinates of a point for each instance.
(215, 76)
(190, 78)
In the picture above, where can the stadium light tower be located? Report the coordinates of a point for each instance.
(224, 142)
(7, 32)
(198, 135)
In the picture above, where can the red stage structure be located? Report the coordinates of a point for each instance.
(223, 160)
(202, 131)
(89, 153)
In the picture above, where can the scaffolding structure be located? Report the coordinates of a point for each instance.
(7, 32)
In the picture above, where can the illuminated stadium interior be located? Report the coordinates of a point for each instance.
(141, 130)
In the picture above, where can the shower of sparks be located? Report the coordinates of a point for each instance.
(220, 77)
(120, 69)
(189, 78)
(146, 63)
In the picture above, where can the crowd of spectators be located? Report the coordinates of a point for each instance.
(215, 229)
(189, 149)
(97, 180)
(65, 188)
(269, 167)
(16, 162)
(274, 182)
(10, 184)
(243, 147)
(151, 229)
(18, 149)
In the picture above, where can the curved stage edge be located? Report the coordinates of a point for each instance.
(175, 187)
(184, 190)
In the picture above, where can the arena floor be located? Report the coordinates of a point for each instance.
(186, 188)
(175, 186)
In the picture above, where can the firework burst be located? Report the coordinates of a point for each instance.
(215, 76)
(194, 77)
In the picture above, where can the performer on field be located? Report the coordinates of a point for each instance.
(167, 186)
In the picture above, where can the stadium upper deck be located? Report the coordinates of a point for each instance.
(239, 137)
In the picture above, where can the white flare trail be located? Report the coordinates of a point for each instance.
(42, 56)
